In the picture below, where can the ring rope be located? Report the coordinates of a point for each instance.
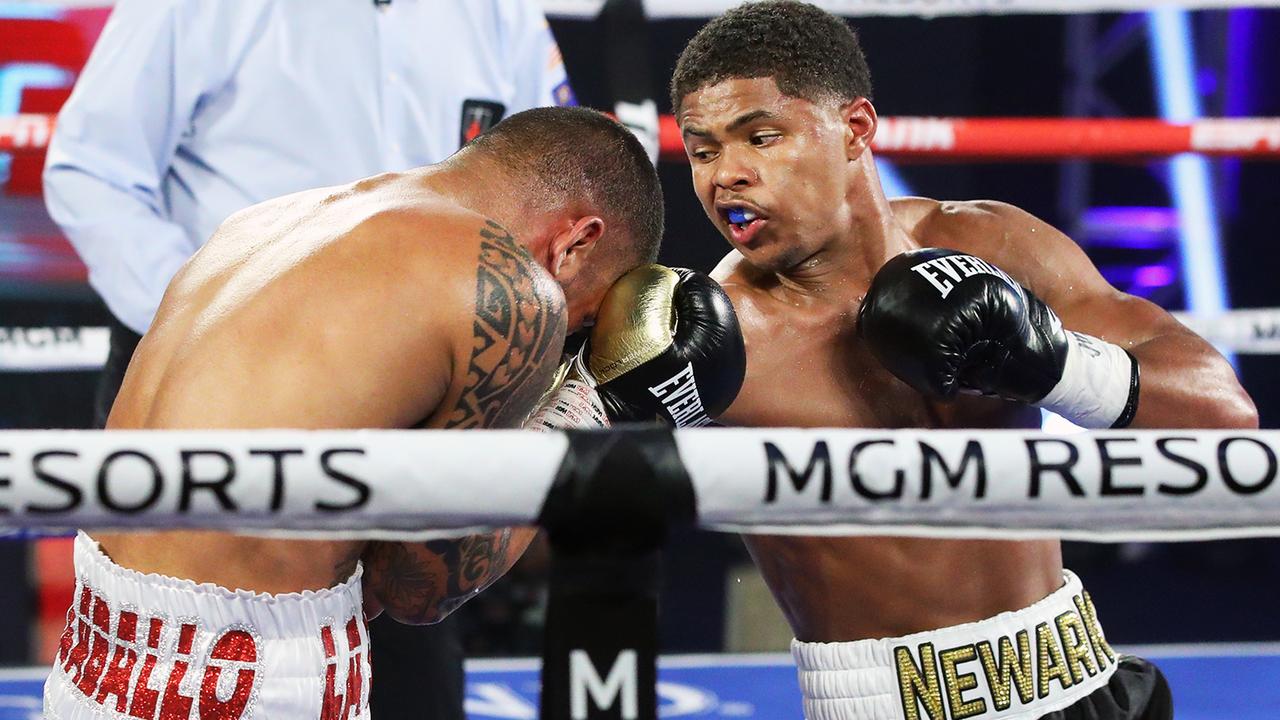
(947, 139)
(61, 349)
(666, 9)
(1099, 486)
(943, 139)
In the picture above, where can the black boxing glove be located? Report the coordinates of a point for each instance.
(666, 345)
(945, 322)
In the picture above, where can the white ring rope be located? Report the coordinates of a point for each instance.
(53, 349)
(1248, 332)
(659, 9)
(585, 9)
(1104, 486)
(330, 483)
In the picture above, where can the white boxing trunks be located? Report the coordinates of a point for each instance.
(1014, 666)
(159, 648)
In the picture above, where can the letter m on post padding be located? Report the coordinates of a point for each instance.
(588, 694)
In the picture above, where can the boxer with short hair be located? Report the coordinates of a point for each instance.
(855, 316)
(433, 298)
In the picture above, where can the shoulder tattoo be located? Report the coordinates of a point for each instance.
(514, 332)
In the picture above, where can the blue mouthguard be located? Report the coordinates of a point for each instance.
(737, 216)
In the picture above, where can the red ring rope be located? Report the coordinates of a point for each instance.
(934, 139)
(924, 138)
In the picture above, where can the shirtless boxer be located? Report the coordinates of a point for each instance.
(433, 298)
(773, 101)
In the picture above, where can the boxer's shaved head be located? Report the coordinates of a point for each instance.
(574, 155)
(809, 53)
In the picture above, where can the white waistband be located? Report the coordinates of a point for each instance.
(148, 646)
(1014, 666)
(283, 616)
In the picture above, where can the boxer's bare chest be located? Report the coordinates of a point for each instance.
(806, 367)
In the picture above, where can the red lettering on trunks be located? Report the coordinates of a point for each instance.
(100, 649)
(100, 633)
(340, 705)
(74, 665)
(68, 639)
(235, 646)
(333, 703)
(120, 668)
(175, 705)
(355, 668)
(145, 697)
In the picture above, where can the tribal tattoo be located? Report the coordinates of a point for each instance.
(518, 329)
(424, 582)
(481, 558)
(518, 322)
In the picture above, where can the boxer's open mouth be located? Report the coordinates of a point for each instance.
(744, 233)
(744, 221)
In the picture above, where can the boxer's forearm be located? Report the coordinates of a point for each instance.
(481, 560)
(1186, 383)
(422, 583)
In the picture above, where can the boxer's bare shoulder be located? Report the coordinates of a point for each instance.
(512, 337)
(741, 282)
(1039, 257)
(382, 288)
(969, 225)
(1031, 250)
(455, 280)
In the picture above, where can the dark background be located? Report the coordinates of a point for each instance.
(975, 66)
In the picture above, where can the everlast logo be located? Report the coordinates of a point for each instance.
(953, 683)
(679, 395)
(945, 272)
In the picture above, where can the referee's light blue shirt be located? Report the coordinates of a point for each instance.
(189, 110)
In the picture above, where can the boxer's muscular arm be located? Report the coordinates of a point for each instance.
(513, 339)
(1185, 382)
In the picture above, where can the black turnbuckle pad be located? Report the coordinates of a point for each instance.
(617, 489)
(607, 515)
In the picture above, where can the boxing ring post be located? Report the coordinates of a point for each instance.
(607, 517)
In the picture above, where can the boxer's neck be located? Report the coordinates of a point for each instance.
(488, 189)
(858, 247)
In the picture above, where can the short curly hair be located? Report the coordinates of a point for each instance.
(810, 53)
(571, 154)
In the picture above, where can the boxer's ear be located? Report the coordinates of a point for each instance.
(860, 121)
(571, 249)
